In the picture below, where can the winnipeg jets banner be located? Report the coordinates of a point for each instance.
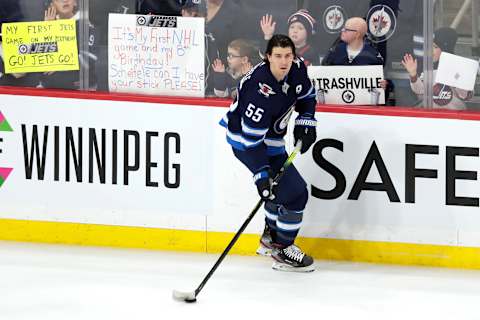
(161, 55)
(103, 162)
(348, 85)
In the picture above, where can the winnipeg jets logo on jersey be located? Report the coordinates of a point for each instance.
(285, 87)
(298, 89)
(265, 90)
(282, 122)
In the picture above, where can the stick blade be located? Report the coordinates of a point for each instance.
(184, 296)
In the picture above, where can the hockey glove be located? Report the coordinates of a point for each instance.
(264, 184)
(306, 131)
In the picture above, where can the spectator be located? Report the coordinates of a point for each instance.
(193, 8)
(158, 7)
(98, 16)
(445, 97)
(301, 27)
(242, 56)
(223, 24)
(197, 8)
(331, 16)
(67, 9)
(354, 49)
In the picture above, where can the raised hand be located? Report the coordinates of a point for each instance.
(384, 84)
(268, 26)
(50, 13)
(410, 64)
(218, 66)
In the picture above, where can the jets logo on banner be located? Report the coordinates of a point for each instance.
(348, 96)
(381, 22)
(334, 18)
(265, 90)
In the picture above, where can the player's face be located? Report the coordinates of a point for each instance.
(281, 61)
(298, 34)
(65, 8)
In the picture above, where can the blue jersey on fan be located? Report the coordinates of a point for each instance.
(258, 118)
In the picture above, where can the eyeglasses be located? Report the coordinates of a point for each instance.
(231, 56)
(346, 29)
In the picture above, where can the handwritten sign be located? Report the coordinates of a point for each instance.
(38, 46)
(156, 55)
(356, 85)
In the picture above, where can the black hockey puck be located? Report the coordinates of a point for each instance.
(191, 300)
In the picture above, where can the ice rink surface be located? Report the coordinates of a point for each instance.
(39, 281)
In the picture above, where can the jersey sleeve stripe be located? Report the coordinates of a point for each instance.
(224, 121)
(242, 142)
(253, 131)
(275, 142)
(307, 95)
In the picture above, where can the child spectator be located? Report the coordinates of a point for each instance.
(242, 56)
(444, 97)
(301, 27)
(193, 8)
(67, 9)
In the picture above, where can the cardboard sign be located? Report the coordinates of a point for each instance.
(358, 85)
(39, 46)
(457, 71)
(160, 55)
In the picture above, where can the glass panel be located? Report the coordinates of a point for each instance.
(48, 10)
(236, 39)
(455, 55)
(394, 28)
(236, 34)
(18, 11)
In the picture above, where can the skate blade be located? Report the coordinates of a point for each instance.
(264, 251)
(288, 268)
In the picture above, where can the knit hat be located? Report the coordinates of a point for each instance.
(192, 4)
(445, 39)
(304, 17)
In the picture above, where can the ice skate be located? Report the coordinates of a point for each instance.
(292, 259)
(266, 243)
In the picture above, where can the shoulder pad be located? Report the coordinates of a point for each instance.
(252, 74)
(298, 61)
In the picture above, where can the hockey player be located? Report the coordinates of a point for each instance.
(256, 125)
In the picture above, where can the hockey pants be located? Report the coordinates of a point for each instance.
(283, 214)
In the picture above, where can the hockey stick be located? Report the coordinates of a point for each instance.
(192, 296)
